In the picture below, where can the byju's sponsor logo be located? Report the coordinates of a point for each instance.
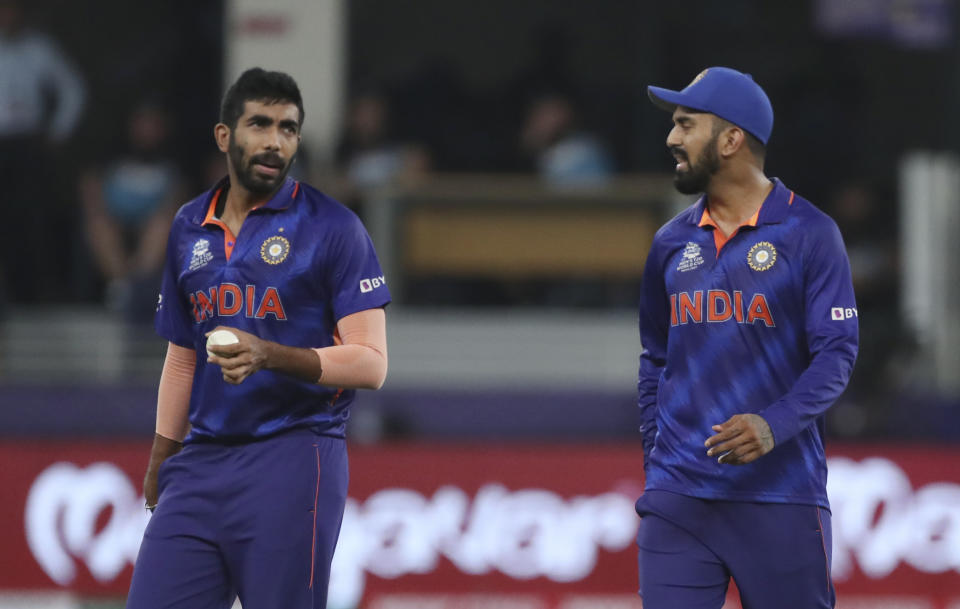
(841, 313)
(371, 284)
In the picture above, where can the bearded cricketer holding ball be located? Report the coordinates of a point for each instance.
(248, 472)
(749, 332)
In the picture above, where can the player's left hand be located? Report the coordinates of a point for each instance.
(742, 439)
(241, 359)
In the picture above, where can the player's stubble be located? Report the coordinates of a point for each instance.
(248, 176)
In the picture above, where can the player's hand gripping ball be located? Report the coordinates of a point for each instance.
(219, 338)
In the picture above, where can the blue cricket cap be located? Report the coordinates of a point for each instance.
(729, 94)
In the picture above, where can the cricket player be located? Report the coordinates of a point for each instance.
(252, 504)
(749, 332)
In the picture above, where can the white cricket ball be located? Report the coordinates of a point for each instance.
(219, 338)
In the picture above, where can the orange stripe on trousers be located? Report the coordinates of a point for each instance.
(316, 498)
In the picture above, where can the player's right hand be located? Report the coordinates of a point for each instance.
(163, 448)
(150, 492)
(241, 359)
(742, 439)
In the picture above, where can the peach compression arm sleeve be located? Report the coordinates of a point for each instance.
(173, 397)
(361, 361)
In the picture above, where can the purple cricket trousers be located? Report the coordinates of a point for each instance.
(778, 554)
(258, 520)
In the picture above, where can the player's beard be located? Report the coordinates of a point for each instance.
(696, 178)
(246, 174)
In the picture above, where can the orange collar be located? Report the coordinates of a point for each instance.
(229, 239)
(719, 239)
(279, 201)
(773, 210)
(706, 220)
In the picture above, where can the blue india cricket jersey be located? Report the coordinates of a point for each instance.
(300, 263)
(762, 323)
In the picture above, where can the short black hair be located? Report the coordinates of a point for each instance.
(257, 84)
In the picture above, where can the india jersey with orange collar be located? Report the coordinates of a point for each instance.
(763, 322)
(300, 263)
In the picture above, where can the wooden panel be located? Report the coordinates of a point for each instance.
(512, 242)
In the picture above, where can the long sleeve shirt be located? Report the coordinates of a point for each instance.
(764, 322)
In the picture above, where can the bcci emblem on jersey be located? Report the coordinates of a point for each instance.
(274, 250)
(762, 256)
(692, 257)
(201, 254)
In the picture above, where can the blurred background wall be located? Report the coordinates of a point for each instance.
(511, 172)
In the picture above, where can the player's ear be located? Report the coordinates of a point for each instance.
(731, 140)
(221, 133)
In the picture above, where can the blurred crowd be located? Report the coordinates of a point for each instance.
(89, 193)
(42, 97)
(90, 212)
(91, 157)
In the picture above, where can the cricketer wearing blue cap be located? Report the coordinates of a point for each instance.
(248, 471)
(749, 332)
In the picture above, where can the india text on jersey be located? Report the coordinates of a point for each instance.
(228, 299)
(721, 306)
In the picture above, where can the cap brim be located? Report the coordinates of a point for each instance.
(665, 99)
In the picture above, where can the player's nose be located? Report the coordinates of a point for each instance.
(673, 138)
(272, 141)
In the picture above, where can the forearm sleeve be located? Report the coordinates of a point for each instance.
(832, 338)
(173, 396)
(654, 326)
(360, 361)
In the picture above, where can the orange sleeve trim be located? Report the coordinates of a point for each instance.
(229, 240)
(790, 202)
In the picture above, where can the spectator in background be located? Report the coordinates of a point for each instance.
(367, 153)
(41, 100)
(565, 155)
(32, 69)
(128, 207)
